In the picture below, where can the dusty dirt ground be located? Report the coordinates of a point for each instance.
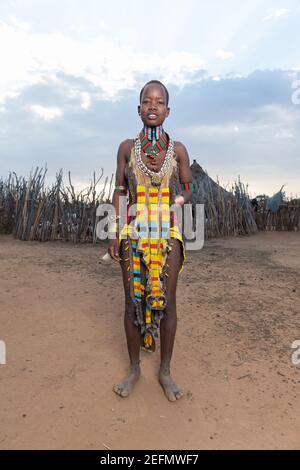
(61, 317)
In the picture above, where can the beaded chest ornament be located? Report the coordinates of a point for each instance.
(155, 176)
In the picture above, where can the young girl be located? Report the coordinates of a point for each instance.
(154, 172)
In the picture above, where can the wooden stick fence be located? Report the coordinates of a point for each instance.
(32, 212)
(286, 218)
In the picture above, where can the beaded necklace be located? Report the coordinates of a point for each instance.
(155, 176)
(153, 140)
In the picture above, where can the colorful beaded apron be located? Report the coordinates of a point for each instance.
(149, 241)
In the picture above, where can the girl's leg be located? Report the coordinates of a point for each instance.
(169, 322)
(133, 335)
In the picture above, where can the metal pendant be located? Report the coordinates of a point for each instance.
(155, 180)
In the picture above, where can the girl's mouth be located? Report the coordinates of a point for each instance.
(152, 116)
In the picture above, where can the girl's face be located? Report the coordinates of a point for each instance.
(153, 108)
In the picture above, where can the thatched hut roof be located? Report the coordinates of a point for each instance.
(204, 183)
(226, 212)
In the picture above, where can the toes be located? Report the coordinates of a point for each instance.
(124, 393)
(121, 390)
(172, 391)
(179, 394)
(117, 389)
(170, 396)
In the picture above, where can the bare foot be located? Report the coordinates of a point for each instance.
(124, 388)
(172, 391)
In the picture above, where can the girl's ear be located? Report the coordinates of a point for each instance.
(139, 109)
(168, 112)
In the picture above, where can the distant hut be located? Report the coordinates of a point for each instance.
(226, 212)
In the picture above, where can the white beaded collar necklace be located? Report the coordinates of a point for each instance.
(156, 177)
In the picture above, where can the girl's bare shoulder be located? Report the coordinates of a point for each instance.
(125, 148)
(179, 150)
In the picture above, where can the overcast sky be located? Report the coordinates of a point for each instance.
(71, 72)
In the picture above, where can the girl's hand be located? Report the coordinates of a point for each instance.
(179, 200)
(113, 249)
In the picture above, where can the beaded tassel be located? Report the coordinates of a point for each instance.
(165, 213)
(136, 272)
(155, 299)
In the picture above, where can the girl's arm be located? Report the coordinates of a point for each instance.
(185, 175)
(120, 190)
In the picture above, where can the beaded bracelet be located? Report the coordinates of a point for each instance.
(188, 186)
(120, 188)
(119, 185)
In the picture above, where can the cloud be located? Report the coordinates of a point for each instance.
(48, 114)
(70, 80)
(224, 55)
(86, 100)
(106, 63)
(232, 126)
(211, 132)
(284, 134)
(279, 12)
(260, 95)
(245, 126)
(19, 24)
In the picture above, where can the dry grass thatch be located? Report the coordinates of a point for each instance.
(226, 212)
